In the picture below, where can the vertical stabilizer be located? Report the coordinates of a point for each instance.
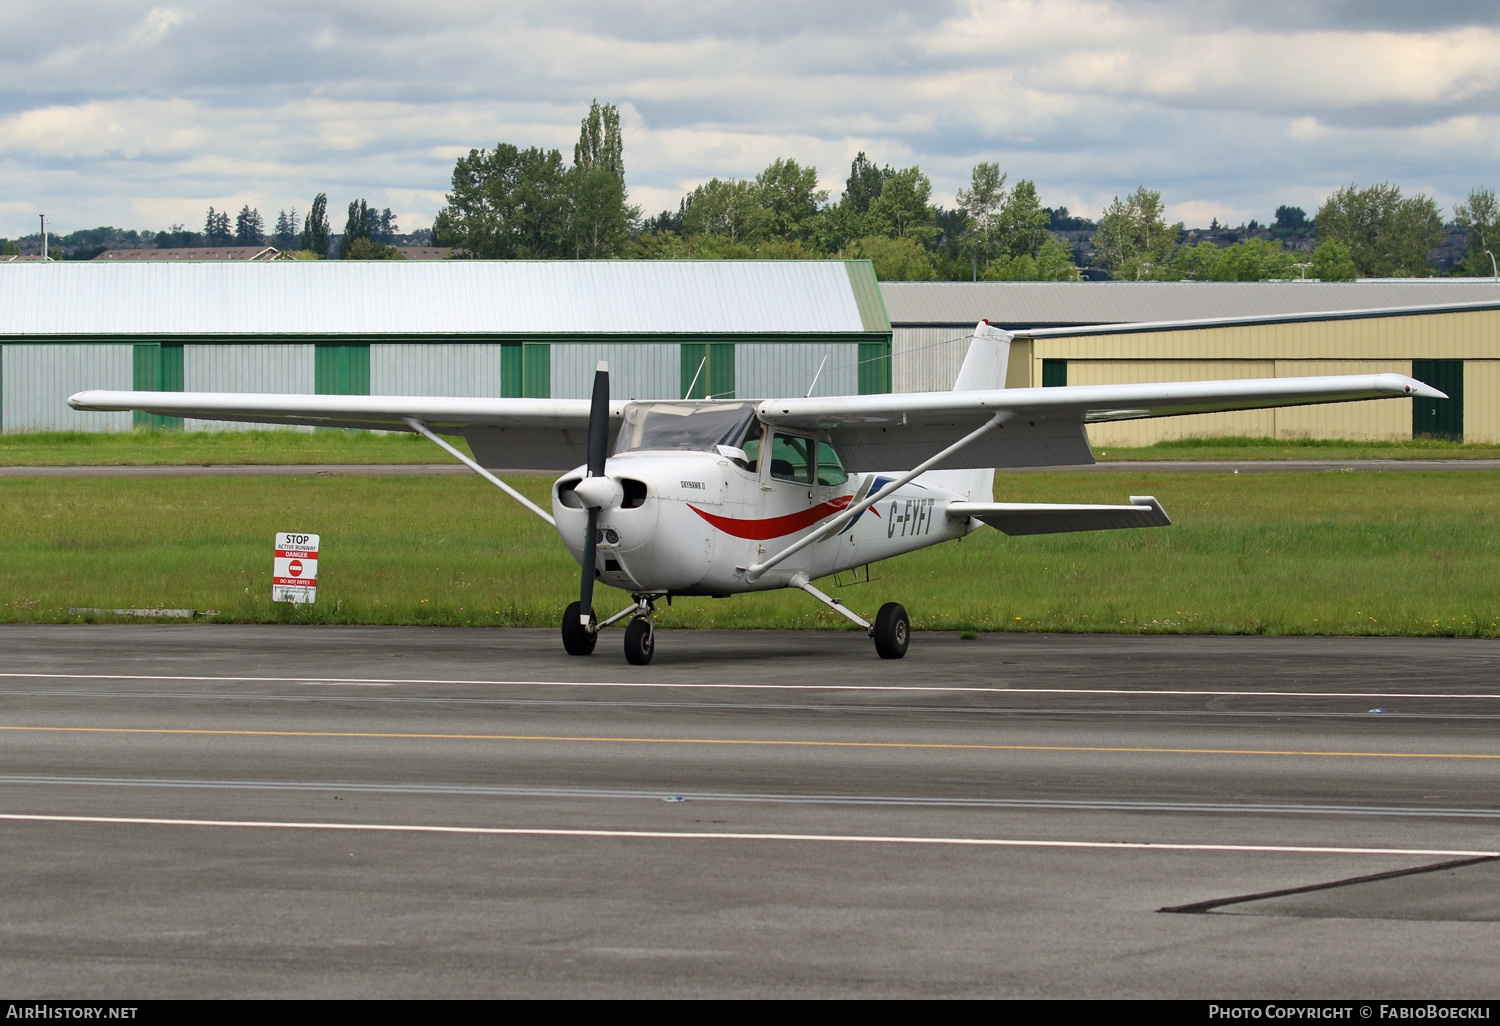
(984, 367)
(986, 361)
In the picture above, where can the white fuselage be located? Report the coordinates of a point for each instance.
(691, 522)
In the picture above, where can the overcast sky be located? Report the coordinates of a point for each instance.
(140, 114)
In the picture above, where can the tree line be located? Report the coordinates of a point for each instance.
(510, 203)
(1370, 232)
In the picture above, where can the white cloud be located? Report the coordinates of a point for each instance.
(140, 110)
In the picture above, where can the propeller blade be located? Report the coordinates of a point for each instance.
(599, 421)
(598, 443)
(586, 590)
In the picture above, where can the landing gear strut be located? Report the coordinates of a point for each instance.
(891, 629)
(640, 635)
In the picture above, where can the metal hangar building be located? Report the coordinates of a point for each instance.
(1292, 329)
(669, 330)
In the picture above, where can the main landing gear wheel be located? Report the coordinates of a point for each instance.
(577, 639)
(640, 641)
(892, 631)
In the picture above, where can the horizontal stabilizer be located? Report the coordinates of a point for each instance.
(1060, 518)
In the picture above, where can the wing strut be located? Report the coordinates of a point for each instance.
(754, 573)
(422, 429)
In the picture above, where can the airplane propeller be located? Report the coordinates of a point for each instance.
(595, 497)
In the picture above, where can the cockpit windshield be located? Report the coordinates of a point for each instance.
(690, 426)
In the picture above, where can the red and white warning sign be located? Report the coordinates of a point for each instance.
(294, 571)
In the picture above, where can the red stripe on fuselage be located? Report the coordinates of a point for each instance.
(774, 527)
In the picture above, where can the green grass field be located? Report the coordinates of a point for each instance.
(157, 448)
(215, 448)
(1242, 448)
(1336, 553)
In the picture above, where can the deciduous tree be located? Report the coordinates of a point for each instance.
(1133, 239)
(1251, 260)
(864, 184)
(1481, 216)
(368, 249)
(900, 259)
(601, 213)
(507, 204)
(1388, 235)
(981, 203)
(901, 210)
(789, 194)
(356, 226)
(316, 236)
(1021, 229)
(1331, 262)
(728, 209)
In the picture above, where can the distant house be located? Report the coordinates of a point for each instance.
(246, 253)
(193, 253)
(425, 252)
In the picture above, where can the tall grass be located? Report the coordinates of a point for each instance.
(1245, 447)
(154, 448)
(150, 447)
(1337, 553)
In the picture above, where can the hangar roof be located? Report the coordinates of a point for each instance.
(1038, 303)
(449, 297)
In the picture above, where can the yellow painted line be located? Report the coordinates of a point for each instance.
(693, 835)
(746, 741)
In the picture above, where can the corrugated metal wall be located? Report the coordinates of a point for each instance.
(637, 370)
(927, 359)
(1386, 419)
(246, 368)
(770, 371)
(1482, 400)
(438, 368)
(36, 380)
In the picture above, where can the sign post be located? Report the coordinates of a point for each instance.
(294, 570)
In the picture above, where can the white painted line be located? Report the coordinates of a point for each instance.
(688, 835)
(391, 682)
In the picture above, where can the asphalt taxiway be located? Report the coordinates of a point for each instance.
(208, 810)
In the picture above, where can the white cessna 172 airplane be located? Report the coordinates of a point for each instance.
(718, 496)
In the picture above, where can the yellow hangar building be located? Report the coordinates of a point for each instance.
(1443, 332)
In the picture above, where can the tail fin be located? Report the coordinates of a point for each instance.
(984, 367)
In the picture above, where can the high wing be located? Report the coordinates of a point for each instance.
(1045, 426)
(518, 434)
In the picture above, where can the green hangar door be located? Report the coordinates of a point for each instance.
(1439, 418)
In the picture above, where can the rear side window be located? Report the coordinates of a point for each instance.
(830, 470)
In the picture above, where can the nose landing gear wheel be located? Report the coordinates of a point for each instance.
(578, 640)
(892, 631)
(640, 642)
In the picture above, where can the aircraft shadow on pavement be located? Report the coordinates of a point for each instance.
(1466, 890)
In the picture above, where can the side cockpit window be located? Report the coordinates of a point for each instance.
(793, 459)
(806, 462)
